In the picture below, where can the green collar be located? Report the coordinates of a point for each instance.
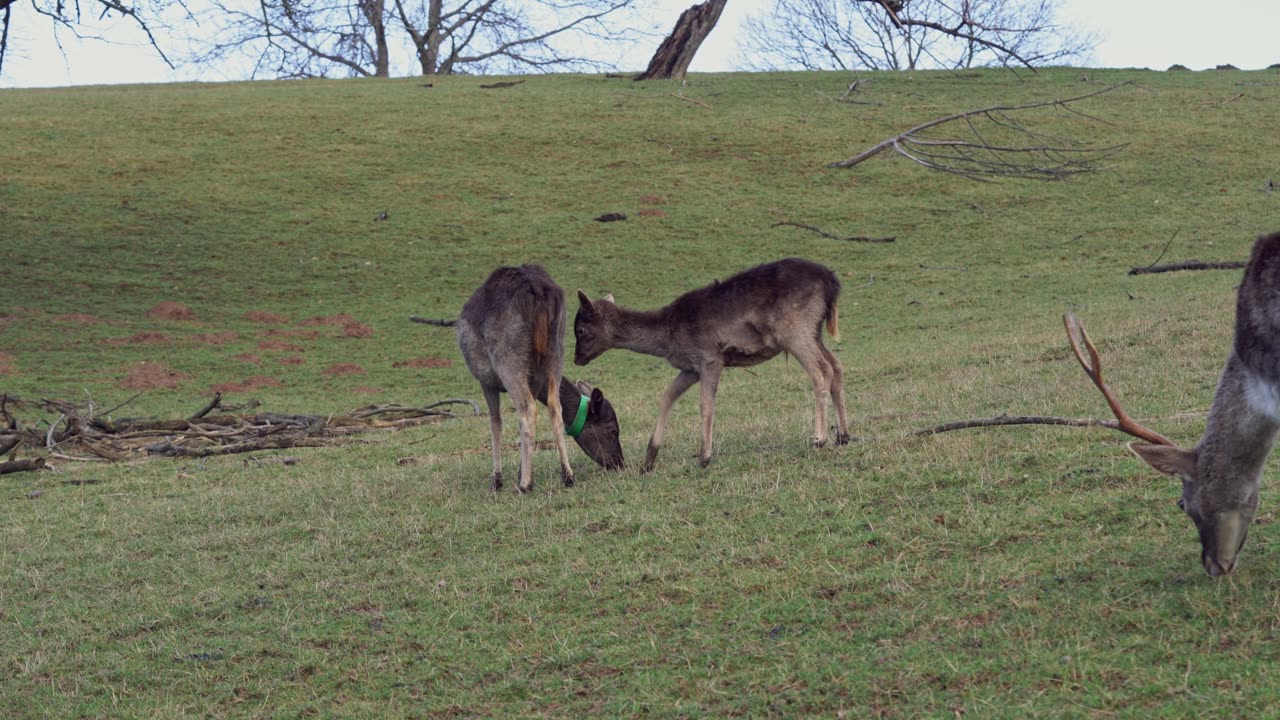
(579, 420)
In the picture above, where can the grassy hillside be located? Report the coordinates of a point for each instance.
(270, 240)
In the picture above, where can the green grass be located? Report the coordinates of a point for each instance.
(1009, 572)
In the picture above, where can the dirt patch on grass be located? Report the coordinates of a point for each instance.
(653, 200)
(265, 318)
(341, 369)
(366, 390)
(651, 212)
(293, 360)
(8, 364)
(280, 345)
(142, 338)
(294, 334)
(148, 375)
(250, 383)
(423, 362)
(350, 326)
(82, 318)
(170, 310)
(332, 320)
(218, 338)
(248, 357)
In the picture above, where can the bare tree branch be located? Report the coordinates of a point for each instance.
(981, 159)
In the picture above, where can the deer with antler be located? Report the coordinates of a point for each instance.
(1221, 474)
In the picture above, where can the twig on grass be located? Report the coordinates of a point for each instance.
(825, 234)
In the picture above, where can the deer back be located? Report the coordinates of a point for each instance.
(1257, 331)
(515, 321)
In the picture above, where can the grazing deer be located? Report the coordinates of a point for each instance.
(511, 333)
(754, 315)
(1221, 474)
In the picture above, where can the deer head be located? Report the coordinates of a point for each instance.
(1220, 475)
(599, 436)
(592, 328)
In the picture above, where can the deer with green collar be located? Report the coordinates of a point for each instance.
(511, 333)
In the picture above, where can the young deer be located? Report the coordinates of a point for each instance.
(743, 321)
(511, 333)
(1221, 474)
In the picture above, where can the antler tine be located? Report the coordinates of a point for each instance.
(1093, 368)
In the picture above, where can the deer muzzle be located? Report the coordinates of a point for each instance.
(1230, 531)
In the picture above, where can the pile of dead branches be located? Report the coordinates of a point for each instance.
(59, 430)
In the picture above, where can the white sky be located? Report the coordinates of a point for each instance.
(1134, 33)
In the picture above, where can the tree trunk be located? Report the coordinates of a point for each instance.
(676, 52)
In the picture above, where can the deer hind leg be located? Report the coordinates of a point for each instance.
(683, 382)
(527, 408)
(837, 395)
(813, 358)
(707, 401)
(557, 423)
(493, 400)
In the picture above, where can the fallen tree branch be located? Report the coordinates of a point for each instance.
(825, 234)
(17, 466)
(1188, 265)
(429, 321)
(75, 435)
(978, 158)
(1014, 420)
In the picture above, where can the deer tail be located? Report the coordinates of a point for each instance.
(832, 292)
(541, 331)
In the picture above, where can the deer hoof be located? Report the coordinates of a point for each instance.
(525, 489)
(817, 442)
(568, 480)
(496, 485)
(703, 462)
(843, 438)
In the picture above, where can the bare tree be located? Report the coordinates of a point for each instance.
(907, 35)
(323, 38)
(152, 17)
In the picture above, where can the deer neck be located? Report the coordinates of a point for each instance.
(570, 401)
(1243, 422)
(647, 332)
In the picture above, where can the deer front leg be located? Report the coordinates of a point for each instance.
(683, 382)
(707, 402)
(493, 400)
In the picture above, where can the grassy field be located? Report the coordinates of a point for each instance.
(271, 239)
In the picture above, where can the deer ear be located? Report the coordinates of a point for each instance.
(583, 386)
(1166, 458)
(609, 299)
(585, 302)
(597, 400)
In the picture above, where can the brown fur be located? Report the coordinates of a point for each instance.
(742, 321)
